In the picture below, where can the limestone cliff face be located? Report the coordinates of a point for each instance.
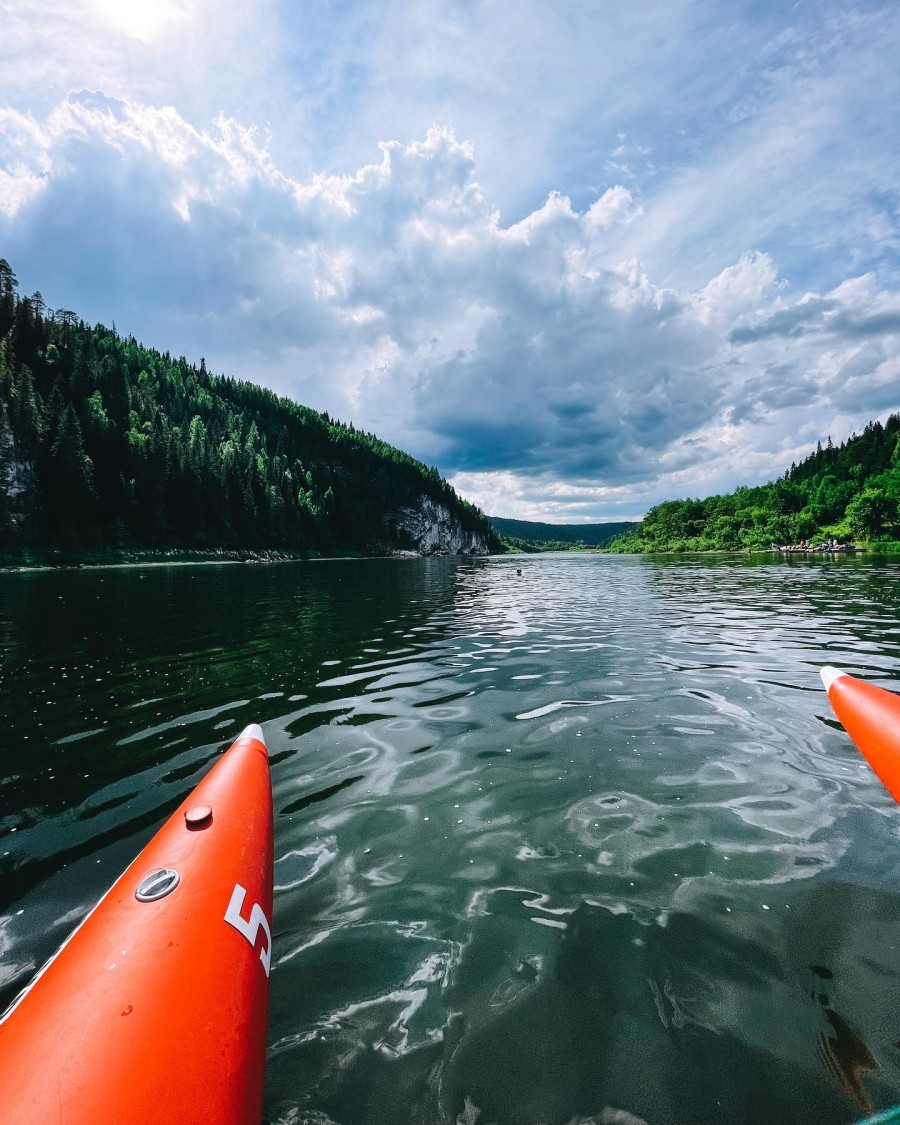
(430, 529)
(16, 478)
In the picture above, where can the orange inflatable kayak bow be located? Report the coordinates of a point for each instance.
(871, 716)
(155, 1008)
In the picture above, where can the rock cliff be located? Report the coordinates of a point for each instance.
(16, 478)
(430, 529)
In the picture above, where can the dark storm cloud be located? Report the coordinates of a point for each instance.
(818, 315)
(792, 322)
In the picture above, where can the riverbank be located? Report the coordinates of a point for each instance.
(38, 559)
(889, 547)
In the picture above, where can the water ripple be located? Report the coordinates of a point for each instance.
(546, 844)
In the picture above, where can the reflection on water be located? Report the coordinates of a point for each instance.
(583, 844)
(847, 1057)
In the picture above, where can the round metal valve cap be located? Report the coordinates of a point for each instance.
(200, 816)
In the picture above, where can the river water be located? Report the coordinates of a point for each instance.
(580, 845)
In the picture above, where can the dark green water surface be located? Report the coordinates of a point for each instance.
(584, 845)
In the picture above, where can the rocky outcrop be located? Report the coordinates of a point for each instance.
(431, 529)
(16, 479)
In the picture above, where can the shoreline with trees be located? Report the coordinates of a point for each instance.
(110, 446)
(848, 493)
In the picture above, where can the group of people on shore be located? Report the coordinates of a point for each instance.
(828, 546)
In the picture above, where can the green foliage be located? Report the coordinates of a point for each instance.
(514, 545)
(524, 535)
(132, 448)
(846, 492)
(872, 513)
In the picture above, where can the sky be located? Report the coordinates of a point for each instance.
(583, 257)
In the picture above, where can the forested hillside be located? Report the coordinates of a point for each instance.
(104, 442)
(527, 535)
(849, 492)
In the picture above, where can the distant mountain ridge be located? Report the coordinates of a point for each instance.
(560, 535)
(105, 443)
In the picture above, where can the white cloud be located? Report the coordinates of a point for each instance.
(736, 290)
(616, 204)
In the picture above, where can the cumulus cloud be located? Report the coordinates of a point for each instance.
(545, 372)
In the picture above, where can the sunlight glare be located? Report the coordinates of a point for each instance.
(141, 19)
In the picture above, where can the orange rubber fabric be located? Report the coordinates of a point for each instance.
(871, 716)
(156, 1011)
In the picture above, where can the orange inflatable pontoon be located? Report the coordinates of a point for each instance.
(871, 716)
(155, 1008)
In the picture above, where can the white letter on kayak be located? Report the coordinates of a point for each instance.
(250, 929)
